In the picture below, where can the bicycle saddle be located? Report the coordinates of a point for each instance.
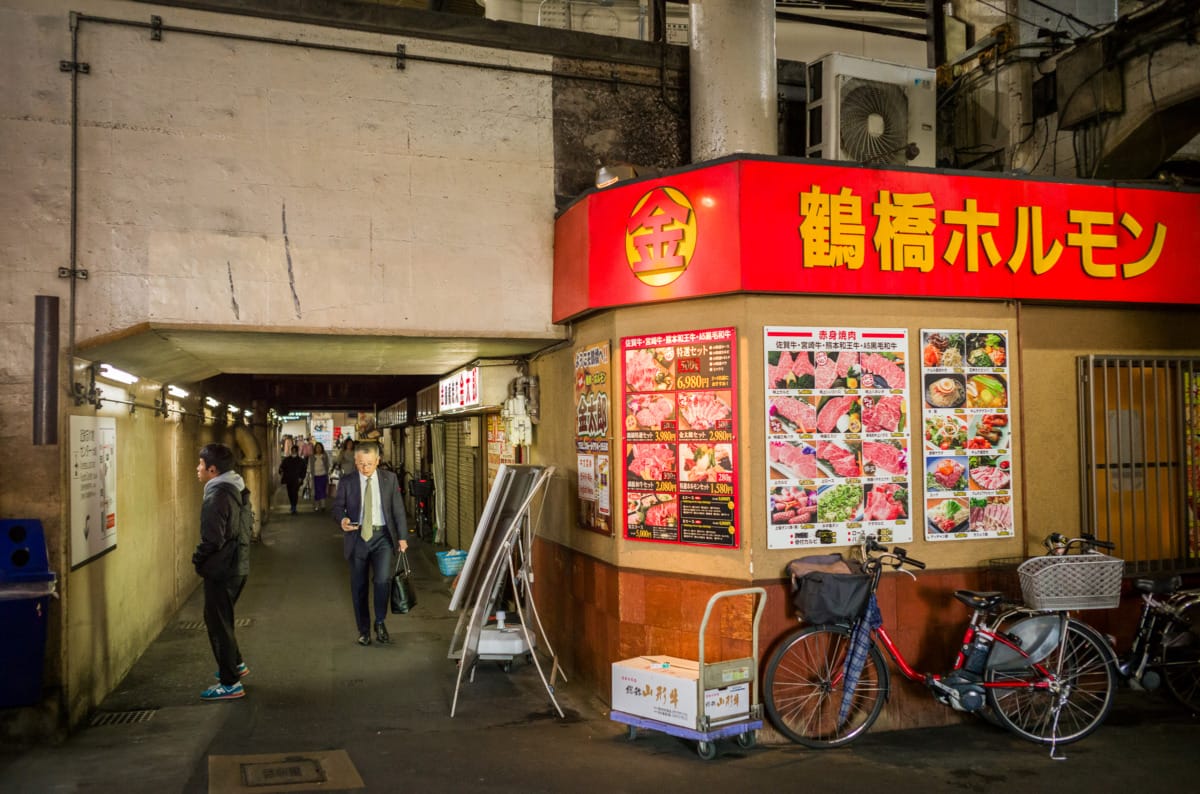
(981, 600)
(1158, 586)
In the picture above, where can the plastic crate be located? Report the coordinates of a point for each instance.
(451, 562)
(1083, 581)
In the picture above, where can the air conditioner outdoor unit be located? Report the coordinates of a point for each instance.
(870, 111)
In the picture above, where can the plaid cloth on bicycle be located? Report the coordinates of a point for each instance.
(860, 643)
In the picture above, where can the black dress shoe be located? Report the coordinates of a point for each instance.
(381, 634)
(364, 639)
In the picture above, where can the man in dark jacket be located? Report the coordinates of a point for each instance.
(223, 559)
(293, 470)
(370, 512)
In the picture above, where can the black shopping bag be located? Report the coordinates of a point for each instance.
(404, 595)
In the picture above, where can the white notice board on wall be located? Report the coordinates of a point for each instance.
(93, 446)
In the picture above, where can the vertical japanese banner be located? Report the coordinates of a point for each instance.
(93, 487)
(680, 432)
(593, 435)
(837, 436)
(967, 435)
(498, 449)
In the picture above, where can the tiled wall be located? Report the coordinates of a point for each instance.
(596, 614)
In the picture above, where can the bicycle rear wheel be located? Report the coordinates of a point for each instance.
(804, 688)
(1084, 689)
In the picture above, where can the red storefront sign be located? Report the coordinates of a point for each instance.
(760, 225)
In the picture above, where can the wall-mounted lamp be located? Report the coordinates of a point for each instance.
(87, 394)
(211, 402)
(233, 409)
(175, 391)
(109, 372)
(619, 172)
(247, 413)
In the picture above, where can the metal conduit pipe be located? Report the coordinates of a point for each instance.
(399, 55)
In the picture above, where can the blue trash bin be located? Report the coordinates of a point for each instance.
(26, 586)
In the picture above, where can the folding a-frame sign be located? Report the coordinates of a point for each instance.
(503, 542)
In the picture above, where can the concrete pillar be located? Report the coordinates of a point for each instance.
(503, 10)
(733, 85)
(252, 472)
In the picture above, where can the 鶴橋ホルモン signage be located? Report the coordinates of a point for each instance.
(758, 225)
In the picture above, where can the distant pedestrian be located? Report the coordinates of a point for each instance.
(319, 467)
(223, 559)
(292, 471)
(306, 447)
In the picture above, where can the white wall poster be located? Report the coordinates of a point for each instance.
(93, 446)
(967, 434)
(837, 436)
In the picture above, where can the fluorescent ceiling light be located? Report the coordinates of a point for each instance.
(119, 375)
(175, 391)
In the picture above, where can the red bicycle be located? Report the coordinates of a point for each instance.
(1044, 675)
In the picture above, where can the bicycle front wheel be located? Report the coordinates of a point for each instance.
(1181, 672)
(1070, 702)
(804, 688)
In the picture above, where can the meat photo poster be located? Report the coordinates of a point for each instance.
(966, 434)
(680, 431)
(837, 436)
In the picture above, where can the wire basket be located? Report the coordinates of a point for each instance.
(450, 563)
(1083, 581)
(1000, 575)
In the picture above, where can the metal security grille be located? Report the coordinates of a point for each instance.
(1140, 454)
(454, 533)
(102, 719)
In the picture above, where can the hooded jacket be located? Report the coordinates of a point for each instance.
(219, 515)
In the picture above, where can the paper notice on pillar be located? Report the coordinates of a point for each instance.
(93, 445)
(586, 465)
(603, 496)
(837, 442)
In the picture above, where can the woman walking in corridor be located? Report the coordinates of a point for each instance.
(318, 468)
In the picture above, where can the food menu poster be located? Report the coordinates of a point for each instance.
(966, 434)
(837, 436)
(680, 432)
(593, 435)
(1191, 429)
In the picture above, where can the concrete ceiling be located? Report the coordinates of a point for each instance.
(280, 367)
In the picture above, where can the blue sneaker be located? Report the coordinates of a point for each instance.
(222, 692)
(242, 671)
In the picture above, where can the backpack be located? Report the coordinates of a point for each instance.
(242, 530)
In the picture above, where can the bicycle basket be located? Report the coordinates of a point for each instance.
(824, 597)
(1084, 581)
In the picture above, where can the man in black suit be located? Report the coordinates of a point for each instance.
(370, 511)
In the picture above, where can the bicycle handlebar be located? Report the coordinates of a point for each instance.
(1058, 543)
(902, 558)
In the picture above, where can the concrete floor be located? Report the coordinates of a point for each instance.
(379, 717)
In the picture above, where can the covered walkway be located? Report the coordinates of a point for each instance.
(378, 717)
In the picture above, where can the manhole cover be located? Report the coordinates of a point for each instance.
(293, 769)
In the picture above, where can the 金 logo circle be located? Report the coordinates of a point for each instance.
(661, 236)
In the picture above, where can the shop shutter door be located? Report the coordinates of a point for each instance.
(453, 532)
(468, 484)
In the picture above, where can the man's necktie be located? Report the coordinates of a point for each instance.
(368, 519)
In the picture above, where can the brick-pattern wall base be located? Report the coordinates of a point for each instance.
(597, 614)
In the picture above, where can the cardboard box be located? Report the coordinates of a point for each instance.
(664, 688)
